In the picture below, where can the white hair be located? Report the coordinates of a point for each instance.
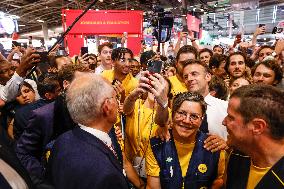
(85, 97)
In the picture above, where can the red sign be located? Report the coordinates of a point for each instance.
(193, 23)
(105, 22)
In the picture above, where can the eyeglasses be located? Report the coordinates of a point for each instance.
(193, 117)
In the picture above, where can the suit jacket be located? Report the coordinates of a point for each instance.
(7, 154)
(23, 114)
(80, 160)
(30, 146)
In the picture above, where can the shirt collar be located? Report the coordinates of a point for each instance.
(208, 99)
(104, 137)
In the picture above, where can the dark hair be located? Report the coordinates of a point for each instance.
(52, 60)
(232, 80)
(216, 59)
(190, 62)
(229, 57)
(26, 84)
(135, 60)
(250, 62)
(218, 85)
(120, 52)
(187, 49)
(92, 57)
(215, 46)
(106, 44)
(68, 72)
(264, 47)
(206, 50)
(268, 104)
(274, 66)
(145, 56)
(188, 96)
(47, 85)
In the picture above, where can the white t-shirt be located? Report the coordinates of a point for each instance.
(9, 91)
(99, 70)
(216, 112)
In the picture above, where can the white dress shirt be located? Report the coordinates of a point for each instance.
(104, 137)
(216, 112)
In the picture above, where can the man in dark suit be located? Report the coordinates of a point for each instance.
(44, 125)
(84, 157)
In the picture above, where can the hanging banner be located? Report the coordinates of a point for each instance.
(104, 21)
(193, 23)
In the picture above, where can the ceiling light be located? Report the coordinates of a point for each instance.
(40, 21)
(21, 25)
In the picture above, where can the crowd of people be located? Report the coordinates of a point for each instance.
(207, 119)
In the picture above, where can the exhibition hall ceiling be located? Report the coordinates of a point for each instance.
(30, 13)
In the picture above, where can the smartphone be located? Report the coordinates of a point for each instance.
(84, 50)
(43, 56)
(154, 66)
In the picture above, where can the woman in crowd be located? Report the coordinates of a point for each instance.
(183, 162)
(27, 94)
(235, 83)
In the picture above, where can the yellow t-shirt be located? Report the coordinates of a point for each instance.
(184, 154)
(139, 124)
(129, 83)
(177, 86)
(255, 175)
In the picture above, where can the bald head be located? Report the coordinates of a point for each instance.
(85, 97)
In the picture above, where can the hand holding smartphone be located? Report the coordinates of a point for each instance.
(84, 50)
(154, 66)
(262, 28)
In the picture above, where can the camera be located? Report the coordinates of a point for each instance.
(162, 21)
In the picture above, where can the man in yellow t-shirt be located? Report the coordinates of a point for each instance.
(183, 162)
(120, 76)
(255, 126)
(186, 52)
